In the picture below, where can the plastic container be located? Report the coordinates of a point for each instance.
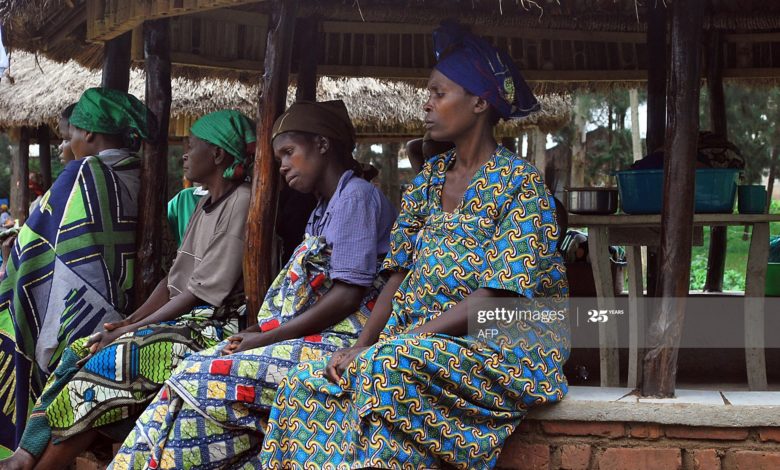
(752, 199)
(641, 190)
(773, 280)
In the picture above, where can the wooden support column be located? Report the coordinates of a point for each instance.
(308, 57)
(116, 62)
(716, 260)
(44, 155)
(265, 181)
(154, 165)
(20, 172)
(660, 364)
(656, 106)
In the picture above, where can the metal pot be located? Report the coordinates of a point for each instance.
(593, 201)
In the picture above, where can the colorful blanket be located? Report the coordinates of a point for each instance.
(71, 269)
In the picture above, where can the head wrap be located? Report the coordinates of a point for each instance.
(483, 70)
(327, 118)
(234, 133)
(114, 112)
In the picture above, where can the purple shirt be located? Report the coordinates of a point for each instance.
(356, 224)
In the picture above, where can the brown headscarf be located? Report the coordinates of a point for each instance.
(327, 118)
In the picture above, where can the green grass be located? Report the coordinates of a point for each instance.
(736, 256)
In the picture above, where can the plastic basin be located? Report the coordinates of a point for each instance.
(641, 191)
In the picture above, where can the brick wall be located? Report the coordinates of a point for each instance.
(577, 445)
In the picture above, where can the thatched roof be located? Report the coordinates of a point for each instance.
(34, 92)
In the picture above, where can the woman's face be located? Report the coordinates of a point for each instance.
(449, 110)
(301, 160)
(66, 154)
(199, 163)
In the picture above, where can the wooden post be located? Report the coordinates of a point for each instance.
(636, 141)
(265, 182)
(308, 54)
(154, 165)
(392, 186)
(116, 62)
(656, 106)
(716, 260)
(660, 364)
(20, 172)
(44, 155)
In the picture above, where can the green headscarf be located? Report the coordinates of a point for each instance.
(233, 132)
(114, 112)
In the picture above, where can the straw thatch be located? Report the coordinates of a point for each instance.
(34, 92)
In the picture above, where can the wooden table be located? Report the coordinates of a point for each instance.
(635, 231)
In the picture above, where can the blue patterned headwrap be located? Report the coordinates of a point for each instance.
(483, 70)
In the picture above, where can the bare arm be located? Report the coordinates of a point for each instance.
(382, 310)
(455, 321)
(156, 300)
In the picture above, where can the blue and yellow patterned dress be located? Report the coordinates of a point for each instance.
(415, 401)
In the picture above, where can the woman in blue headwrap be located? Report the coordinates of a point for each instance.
(477, 232)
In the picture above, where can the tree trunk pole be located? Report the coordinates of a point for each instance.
(265, 182)
(116, 62)
(308, 53)
(20, 173)
(154, 164)
(716, 259)
(577, 178)
(660, 363)
(656, 106)
(44, 155)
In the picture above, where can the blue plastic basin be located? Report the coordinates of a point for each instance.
(641, 191)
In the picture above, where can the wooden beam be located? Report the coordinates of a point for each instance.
(308, 57)
(116, 63)
(716, 258)
(64, 24)
(44, 155)
(154, 165)
(265, 181)
(20, 172)
(660, 363)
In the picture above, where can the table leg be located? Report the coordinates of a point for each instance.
(636, 292)
(598, 246)
(755, 286)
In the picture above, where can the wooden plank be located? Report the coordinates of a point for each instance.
(154, 162)
(306, 79)
(260, 232)
(195, 60)
(660, 367)
(755, 283)
(646, 236)
(626, 220)
(635, 315)
(608, 334)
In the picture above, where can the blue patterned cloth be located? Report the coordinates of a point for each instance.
(416, 401)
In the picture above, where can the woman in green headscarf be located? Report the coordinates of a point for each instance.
(71, 266)
(104, 379)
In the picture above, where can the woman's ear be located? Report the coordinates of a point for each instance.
(89, 136)
(220, 156)
(323, 144)
(481, 105)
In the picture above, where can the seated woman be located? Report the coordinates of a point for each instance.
(71, 266)
(210, 412)
(419, 390)
(112, 375)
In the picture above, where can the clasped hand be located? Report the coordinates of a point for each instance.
(339, 362)
(101, 339)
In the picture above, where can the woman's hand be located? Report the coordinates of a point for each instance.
(100, 340)
(111, 326)
(245, 341)
(339, 362)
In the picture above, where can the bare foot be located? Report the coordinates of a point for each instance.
(20, 460)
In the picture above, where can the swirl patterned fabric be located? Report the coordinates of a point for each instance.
(210, 413)
(417, 401)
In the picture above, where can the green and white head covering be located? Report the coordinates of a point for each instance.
(109, 111)
(235, 134)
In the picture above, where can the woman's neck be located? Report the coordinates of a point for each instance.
(474, 148)
(220, 186)
(329, 181)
